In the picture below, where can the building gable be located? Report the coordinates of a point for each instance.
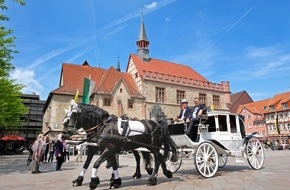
(238, 99)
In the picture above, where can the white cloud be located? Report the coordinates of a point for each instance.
(152, 5)
(269, 60)
(27, 78)
(263, 62)
(57, 52)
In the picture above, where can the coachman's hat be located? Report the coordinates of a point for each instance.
(184, 101)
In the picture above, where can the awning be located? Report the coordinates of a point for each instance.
(12, 137)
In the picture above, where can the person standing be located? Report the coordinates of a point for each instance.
(196, 114)
(51, 151)
(66, 152)
(46, 149)
(37, 149)
(59, 152)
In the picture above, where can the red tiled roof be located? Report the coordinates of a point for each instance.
(239, 98)
(280, 99)
(165, 67)
(276, 101)
(72, 78)
(236, 96)
(255, 107)
(112, 77)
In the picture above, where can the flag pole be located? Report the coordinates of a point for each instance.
(76, 96)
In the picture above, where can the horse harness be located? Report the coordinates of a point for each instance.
(124, 138)
(92, 132)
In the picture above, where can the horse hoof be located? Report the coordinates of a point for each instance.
(149, 170)
(152, 181)
(116, 183)
(137, 176)
(78, 181)
(95, 181)
(168, 174)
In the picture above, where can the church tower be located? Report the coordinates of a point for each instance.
(143, 43)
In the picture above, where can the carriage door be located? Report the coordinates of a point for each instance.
(235, 133)
(224, 137)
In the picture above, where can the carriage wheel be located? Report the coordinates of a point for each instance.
(206, 159)
(255, 153)
(174, 166)
(223, 158)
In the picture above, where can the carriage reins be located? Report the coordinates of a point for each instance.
(91, 131)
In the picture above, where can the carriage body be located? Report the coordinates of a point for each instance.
(226, 128)
(222, 134)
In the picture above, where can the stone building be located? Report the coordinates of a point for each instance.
(168, 83)
(147, 81)
(114, 91)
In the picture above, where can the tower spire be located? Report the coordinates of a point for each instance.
(143, 42)
(118, 65)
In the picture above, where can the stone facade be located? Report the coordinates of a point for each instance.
(149, 81)
(120, 102)
(54, 114)
(170, 106)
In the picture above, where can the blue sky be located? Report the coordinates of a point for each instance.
(245, 42)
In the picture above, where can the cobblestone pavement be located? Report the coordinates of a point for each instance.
(14, 174)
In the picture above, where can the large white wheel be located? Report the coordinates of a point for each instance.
(174, 166)
(206, 159)
(223, 158)
(255, 153)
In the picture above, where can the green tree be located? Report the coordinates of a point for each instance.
(11, 106)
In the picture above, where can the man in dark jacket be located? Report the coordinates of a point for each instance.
(196, 113)
(184, 112)
(59, 152)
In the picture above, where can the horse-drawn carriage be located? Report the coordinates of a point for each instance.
(220, 135)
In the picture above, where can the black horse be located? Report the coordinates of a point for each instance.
(89, 116)
(109, 139)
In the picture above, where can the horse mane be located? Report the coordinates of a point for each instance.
(90, 116)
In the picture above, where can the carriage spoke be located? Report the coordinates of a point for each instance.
(206, 160)
(255, 153)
